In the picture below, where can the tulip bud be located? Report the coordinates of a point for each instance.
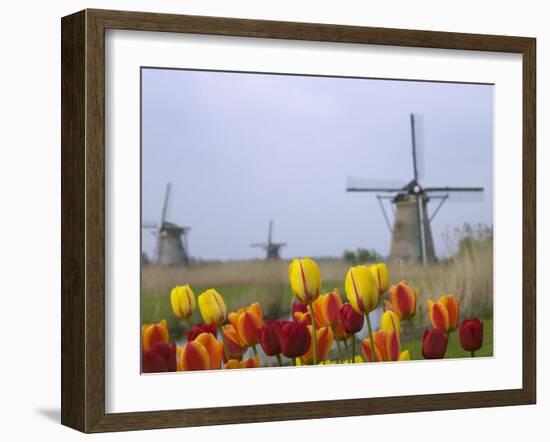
(212, 307)
(330, 308)
(381, 274)
(305, 279)
(248, 363)
(269, 338)
(403, 300)
(390, 322)
(471, 334)
(183, 301)
(160, 357)
(248, 323)
(197, 329)
(325, 338)
(444, 313)
(194, 356)
(153, 333)
(434, 344)
(235, 347)
(213, 347)
(405, 356)
(295, 338)
(350, 319)
(361, 289)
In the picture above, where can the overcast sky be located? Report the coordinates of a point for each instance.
(241, 149)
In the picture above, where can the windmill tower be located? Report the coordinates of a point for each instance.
(411, 231)
(271, 248)
(171, 246)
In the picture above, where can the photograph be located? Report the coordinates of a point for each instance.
(293, 220)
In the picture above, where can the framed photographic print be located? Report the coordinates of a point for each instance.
(303, 220)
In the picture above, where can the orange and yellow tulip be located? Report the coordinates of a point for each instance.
(247, 321)
(403, 300)
(390, 322)
(247, 363)
(444, 313)
(182, 299)
(153, 333)
(212, 307)
(381, 274)
(213, 347)
(387, 346)
(305, 279)
(194, 356)
(325, 338)
(235, 346)
(330, 304)
(361, 289)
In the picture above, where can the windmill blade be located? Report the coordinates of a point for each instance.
(453, 189)
(421, 232)
(258, 245)
(270, 232)
(462, 197)
(354, 184)
(149, 226)
(165, 206)
(413, 141)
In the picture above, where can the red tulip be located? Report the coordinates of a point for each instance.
(471, 334)
(350, 319)
(269, 338)
(197, 329)
(161, 357)
(295, 338)
(434, 344)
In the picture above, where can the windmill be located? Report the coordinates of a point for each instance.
(271, 248)
(411, 232)
(170, 249)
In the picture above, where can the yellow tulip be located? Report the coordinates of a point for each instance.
(405, 356)
(381, 274)
(361, 289)
(305, 279)
(390, 321)
(183, 301)
(212, 307)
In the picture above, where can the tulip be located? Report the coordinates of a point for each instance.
(434, 344)
(248, 363)
(305, 282)
(235, 347)
(471, 335)
(295, 338)
(386, 344)
(213, 347)
(350, 319)
(390, 322)
(444, 313)
(317, 307)
(160, 357)
(248, 323)
(362, 292)
(361, 289)
(153, 333)
(405, 356)
(325, 338)
(194, 356)
(269, 338)
(197, 329)
(330, 308)
(305, 279)
(183, 301)
(212, 307)
(380, 272)
(303, 317)
(403, 300)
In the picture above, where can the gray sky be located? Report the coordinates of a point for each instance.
(241, 149)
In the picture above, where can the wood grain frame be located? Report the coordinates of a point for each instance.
(83, 219)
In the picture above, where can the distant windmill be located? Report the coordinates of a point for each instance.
(271, 248)
(170, 249)
(411, 232)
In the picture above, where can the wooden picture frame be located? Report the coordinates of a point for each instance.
(83, 219)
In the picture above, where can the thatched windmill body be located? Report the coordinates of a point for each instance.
(411, 233)
(271, 248)
(171, 248)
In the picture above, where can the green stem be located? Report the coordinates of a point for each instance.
(278, 355)
(383, 303)
(353, 349)
(340, 354)
(314, 331)
(472, 354)
(372, 349)
(255, 350)
(220, 328)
